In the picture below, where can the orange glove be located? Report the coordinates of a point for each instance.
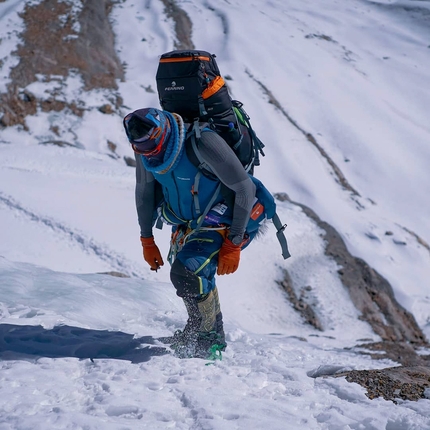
(151, 253)
(228, 258)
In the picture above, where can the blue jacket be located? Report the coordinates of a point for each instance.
(187, 193)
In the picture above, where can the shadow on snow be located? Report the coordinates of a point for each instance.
(27, 341)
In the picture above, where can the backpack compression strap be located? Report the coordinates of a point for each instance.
(196, 136)
(244, 119)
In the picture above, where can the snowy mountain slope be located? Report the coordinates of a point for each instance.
(93, 229)
(264, 380)
(312, 48)
(353, 76)
(328, 70)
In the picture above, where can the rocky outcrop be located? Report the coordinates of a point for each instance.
(55, 41)
(394, 383)
(299, 303)
(183, 24)
(371, 294)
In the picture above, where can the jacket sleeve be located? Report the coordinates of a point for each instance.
(145, 198)
(215, 151)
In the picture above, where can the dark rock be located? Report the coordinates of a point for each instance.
(61, 143)
(282, 197)
(106, 109)
(91, 52)
(111, 146)
(401, 352)
(131, 162)
(183, 24)
(372, 294)
(299, 303)
(406, 383)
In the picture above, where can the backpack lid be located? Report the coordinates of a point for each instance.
(186, 55)
(189, 83)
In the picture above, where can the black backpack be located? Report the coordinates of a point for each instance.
(189, 83)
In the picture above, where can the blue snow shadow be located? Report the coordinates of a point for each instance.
(27, 341)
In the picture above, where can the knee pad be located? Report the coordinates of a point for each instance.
(187, 283)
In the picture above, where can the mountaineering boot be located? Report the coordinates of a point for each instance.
(203, 335)
(211, 337)
(199, 342)
(189, 333)
(219, 326)
(189, 343)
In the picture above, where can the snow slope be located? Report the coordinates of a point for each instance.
(354, 75)
(264, 380)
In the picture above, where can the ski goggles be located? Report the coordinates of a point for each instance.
(146, 130)
(142, 147)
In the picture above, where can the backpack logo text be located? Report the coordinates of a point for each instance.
(173, 87)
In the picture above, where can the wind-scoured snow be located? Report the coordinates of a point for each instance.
(354, 75)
